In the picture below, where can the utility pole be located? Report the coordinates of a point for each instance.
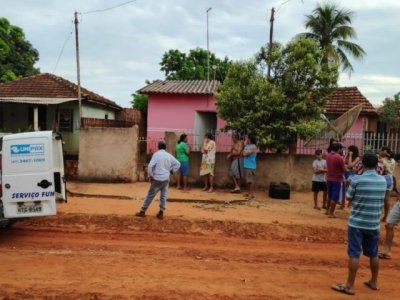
(78, 68)
(208, 51)
(271, 34)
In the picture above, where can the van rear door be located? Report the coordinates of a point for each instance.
(27, 175)
(58, 168)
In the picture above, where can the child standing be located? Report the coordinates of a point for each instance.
(318, 179)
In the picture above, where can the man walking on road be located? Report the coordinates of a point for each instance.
(159, 168)
(366, 194)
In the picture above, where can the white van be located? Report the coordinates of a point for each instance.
(32, 175)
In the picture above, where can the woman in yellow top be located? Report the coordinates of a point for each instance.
(208, 162)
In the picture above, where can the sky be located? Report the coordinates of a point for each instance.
(121, 48)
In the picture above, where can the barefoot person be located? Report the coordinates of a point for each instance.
(249, 162)
(208, 162)
(366, 194)
(159, 168)
(392, 220)
(334, 179)
(235, 156)
(318, 178)
(389, 164)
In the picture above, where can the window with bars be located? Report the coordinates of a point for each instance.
(66, 120)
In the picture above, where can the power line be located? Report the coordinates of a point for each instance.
(106, 9)
(62, 49)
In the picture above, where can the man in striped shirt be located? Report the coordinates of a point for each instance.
(366, 194)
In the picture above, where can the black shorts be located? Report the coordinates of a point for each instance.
(318, 186)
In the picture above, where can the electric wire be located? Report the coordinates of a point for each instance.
(106, 9)
(62, 49)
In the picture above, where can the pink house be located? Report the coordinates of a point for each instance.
(183, 106)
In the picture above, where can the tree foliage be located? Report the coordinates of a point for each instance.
(17, 55)
(181, 66)
(390, 111)
(284, 107)
(140, 102)
(331, 27)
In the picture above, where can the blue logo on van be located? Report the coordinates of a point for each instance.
(27, 149)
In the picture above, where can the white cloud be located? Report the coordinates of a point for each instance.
(121, 48)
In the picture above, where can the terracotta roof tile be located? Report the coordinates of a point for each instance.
(344, 98)
(181, 87)
(47, 85)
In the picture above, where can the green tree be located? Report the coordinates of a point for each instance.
(140, 101)
(331, 27)
(181, 66)
(281, 109)
(390, 111)
(17, 55)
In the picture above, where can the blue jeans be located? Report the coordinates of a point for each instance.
(155, 187)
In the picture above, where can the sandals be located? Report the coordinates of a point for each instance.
(342, 288)
(372, 287)
(235, 191)
(383, 255)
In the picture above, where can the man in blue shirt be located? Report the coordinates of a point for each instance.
(159, 168)
(366, 194)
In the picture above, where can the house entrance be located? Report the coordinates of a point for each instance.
(203, 122)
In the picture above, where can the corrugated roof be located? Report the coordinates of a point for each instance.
(344, 98)
(181, 87)
(48, 86)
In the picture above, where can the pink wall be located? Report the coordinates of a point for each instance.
(176, 112)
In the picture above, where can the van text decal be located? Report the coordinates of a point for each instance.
(32, 195)
(27, 149)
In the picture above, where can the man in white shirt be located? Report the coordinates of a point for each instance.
(159, 168)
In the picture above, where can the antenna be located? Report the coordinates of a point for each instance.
(337, 128)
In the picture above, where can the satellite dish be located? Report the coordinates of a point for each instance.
(335, 129)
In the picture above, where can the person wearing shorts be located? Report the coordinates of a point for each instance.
(392, 220)
(235, 156)
(318, 178)
(366, 195)
(182, 150)
(249, 161)
(335, 179)
(385, 156)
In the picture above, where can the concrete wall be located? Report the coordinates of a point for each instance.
(108, 154)
(293, 169)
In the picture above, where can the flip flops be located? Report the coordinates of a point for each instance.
(372, 287)
(383, 255)
(341, 288)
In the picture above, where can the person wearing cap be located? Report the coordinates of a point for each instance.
(159, 169)
(318, 178)
(366, 195)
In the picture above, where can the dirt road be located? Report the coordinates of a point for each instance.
(95, 249)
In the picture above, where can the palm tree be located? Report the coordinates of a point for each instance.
(330, 26)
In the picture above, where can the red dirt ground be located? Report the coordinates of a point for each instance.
(264, 249)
